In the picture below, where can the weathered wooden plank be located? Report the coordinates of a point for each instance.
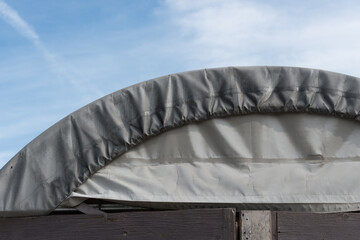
(181, 224)
(257, 225)
(318, 226)
(274, 225)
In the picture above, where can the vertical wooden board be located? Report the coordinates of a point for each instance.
(274, 225)
(182, 224)
(256, 225)
(318, 226)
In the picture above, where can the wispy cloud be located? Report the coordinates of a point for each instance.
(22, 27)
(232, 32)
(13, 18)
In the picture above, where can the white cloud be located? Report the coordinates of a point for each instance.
(230, 32)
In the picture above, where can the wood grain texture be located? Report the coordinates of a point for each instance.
(274, 227)
(314, 226)
(182, 224)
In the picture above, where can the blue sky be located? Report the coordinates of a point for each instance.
(57, 56)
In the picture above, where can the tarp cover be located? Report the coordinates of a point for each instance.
(51, 168)
(297, 162)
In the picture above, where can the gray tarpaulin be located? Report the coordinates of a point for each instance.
(309, 162)
(52, 169)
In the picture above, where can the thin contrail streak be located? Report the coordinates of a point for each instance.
(13, 18)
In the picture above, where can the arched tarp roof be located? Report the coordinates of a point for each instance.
(46, 171)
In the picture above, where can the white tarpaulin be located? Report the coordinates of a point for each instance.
(298, 162)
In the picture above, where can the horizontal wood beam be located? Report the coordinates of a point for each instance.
(178, 224)
(293, 226)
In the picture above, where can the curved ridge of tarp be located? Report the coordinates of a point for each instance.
(46, 171)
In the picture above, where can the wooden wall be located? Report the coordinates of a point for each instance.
(183, 224)
(299, 226)
(196, 224)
